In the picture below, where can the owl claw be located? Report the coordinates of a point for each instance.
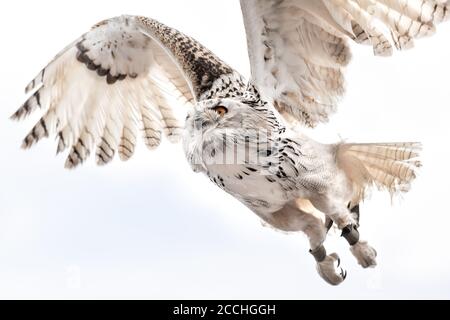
(330, 271)
(343, 274)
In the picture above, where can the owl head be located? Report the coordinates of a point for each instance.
(220, 123)
(227, 113)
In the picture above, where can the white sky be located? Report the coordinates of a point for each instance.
(151, 228)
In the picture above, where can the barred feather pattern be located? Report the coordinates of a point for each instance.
(122, 77)
(388, 166)
(127, 145)
(298, 49)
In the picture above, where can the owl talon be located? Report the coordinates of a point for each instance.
(343, 273)
(329, 272)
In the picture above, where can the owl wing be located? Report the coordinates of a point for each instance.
(115, 82)
(298, 48)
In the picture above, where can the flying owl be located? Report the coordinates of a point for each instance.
(130, 76)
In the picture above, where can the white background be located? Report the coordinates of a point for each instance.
(151, 228)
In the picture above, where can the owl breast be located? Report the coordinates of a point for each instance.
(244, 168)
(251, 185)
(263, 172)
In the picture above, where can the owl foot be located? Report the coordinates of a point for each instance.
(365, 254)
(328, 267)
(330, 271)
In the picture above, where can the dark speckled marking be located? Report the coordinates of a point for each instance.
(200, 64)
(84, 58)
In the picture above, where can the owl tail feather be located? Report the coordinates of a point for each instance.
(388, 166)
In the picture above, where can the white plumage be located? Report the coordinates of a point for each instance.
(299, 48)
(123, 78)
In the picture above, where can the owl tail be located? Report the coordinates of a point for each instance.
(388, 166)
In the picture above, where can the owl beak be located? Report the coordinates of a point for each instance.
(201, 124)
(209, 119)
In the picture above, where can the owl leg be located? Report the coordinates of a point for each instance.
(348, 221)
(291, 218)
(355, 213)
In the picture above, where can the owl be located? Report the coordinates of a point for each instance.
(130, 76)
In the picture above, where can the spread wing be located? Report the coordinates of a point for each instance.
(116, 82)
(298, 48)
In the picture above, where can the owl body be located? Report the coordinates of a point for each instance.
(264, 169)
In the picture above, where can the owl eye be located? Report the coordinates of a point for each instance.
(221, 110)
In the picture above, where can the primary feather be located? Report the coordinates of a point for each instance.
(298, 48)
(114, 81)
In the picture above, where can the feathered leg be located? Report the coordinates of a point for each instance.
(355, 213)
(292, 219)
(347, 220)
